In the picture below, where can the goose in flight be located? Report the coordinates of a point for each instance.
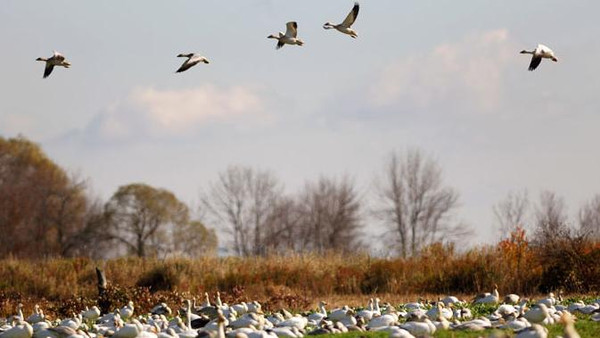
(192, 60)
(541, 52)
(344, 27)
(290, 36)
(56, 60)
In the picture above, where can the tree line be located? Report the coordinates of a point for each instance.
(46, 212)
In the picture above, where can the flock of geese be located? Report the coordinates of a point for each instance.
(290, 37)
(421, 319)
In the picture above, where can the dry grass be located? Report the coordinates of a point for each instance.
(300, 281)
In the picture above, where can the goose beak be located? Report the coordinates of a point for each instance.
(554, 59)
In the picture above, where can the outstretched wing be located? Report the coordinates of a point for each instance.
(535, 62)
(48, 69)
(279, 44)
(291, 29)
(351, 16)
(185, 66)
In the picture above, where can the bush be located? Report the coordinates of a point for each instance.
(160, 278)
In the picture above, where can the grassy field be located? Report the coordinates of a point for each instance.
(294, 282)
(298, 282)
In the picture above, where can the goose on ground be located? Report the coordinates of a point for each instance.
(511, 299)
(192, 60)
(36, 316)
(21, 330)
(290, 36)
(534, 331)
(90, 315)
(488, 298)
(538, 314)
(161, 309)
(127, 311)
(424, 328)
(55, 60)
(368, 312)
(320, 314)
(344, 27)
(539, 53)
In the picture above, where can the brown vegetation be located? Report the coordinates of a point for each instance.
(297, 281)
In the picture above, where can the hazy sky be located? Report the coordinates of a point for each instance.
(444, 76)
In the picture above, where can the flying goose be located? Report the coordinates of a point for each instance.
(344, 27)
(56, 60)
(541, 52)
(192, 60)
(290, 36)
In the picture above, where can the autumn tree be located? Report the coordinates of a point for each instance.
(241, 201)
(42, 209)
(414, 203)
(329, 216)
(140, 217)
(194, 239)
(589, 218)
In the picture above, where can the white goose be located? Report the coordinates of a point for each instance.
(36, 316)
(319, 315)
(488, 298)
(541, 52)
(290, 36)
(192, 60)
(344, 27)
(127, 311)
(21, 330)
(56, 60)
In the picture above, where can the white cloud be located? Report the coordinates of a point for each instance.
(466, 73)
(150, 112)
(181, 110)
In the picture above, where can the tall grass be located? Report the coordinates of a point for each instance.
(296, 280)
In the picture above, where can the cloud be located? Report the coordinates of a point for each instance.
(153, 113)
(180, 110)
(463, 74)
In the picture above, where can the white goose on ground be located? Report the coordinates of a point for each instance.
(539, 53)
(488, 298)
(21, 330)
(344, 27)
(319, 315)
(127, 311)
(55, 60)
(534, 331)
(36, 316)
(290, 37)
(538, 314)
(192, 60)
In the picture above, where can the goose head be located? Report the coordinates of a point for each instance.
(41, 59)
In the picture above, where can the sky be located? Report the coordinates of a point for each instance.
(444, 76)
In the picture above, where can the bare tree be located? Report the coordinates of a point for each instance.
(551, 218)
(511, 212)
(283, 227)
(414, 204)
(589, 218)
(241, 201)
(329, 216)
